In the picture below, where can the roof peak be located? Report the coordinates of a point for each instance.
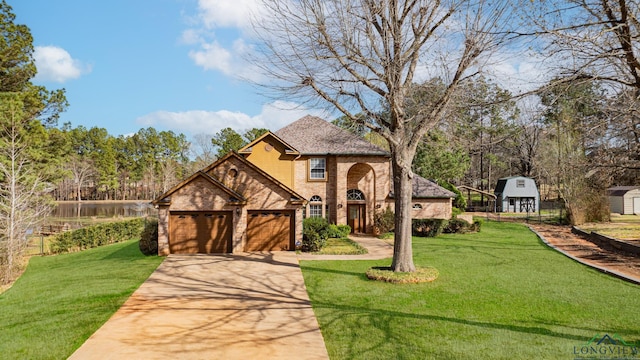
(311, 135)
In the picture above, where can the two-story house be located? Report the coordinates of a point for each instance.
(256, 199)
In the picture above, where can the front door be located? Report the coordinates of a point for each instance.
(357, 217)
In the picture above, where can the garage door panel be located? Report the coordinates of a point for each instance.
(185, 241)
(269, 230)
(200, 232)
(218, 231)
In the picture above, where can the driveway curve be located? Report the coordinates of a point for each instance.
(241, 306)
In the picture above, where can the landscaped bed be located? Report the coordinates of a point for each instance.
(61, 300)
(500, 294)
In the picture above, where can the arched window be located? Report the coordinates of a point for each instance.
(355, 195)
(315, 206)
(417, 206)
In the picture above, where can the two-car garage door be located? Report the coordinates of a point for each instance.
(211, 232)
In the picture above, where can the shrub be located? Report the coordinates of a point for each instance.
(455, 212)
(338, 231)
(427, 227)
(459, 201)
(315, 232)
(385, 220)
(96, 235)
(459, 226)
(149, 238)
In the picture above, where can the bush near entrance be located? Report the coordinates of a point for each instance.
(315, 231)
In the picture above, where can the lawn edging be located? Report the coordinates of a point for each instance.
(607, 242)
(599, 268)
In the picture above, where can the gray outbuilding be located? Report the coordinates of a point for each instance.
(517, 194)
(624, 200)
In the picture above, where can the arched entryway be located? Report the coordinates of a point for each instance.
(360, 197)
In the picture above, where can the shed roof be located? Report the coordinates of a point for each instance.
(312, 135)
(620, 190)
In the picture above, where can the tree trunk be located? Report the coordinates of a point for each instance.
(402, 190)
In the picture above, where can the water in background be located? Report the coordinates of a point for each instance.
(103, 210)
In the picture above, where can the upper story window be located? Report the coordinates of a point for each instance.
(520, 183)
(317, 168)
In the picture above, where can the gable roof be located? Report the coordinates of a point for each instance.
(294, 195)
(247, 149)
(233, 195)
(312, 135)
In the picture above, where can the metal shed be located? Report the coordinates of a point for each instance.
(624, 200)
(517, 194)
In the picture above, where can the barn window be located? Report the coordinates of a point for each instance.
(520, 183)
(315, 206)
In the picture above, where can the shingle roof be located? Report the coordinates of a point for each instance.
(620, 190)
(423, 189)
(312, 135)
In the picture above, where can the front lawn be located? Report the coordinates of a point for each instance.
(61, 300)
(501, 294)
(341, 246)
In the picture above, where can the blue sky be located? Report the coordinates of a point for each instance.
(170, 64)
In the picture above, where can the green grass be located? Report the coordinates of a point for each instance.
(61, 300)
(501, 294)
(341, 246)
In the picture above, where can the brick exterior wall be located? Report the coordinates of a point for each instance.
(202, 194)
(432, 208)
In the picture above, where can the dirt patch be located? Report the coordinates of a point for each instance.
(562, 238)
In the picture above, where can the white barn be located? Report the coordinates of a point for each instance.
(517, 194)
(624, 200)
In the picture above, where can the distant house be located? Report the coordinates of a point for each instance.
(624, 200)
(517, 194)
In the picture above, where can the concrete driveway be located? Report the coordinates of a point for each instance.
(248, 306)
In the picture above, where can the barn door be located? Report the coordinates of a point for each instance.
(636, 205)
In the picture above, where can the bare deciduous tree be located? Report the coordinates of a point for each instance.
(362, 56)
(597, 41)
(594, 39)
(23, 203)
(82, 169)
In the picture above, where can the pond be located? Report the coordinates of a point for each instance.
(105, 209)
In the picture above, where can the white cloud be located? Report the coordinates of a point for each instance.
(224, 50)
(273, 117)
(228, 13)
(56, 64)
(212, 56)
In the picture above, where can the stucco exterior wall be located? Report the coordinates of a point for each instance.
(270, 155)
